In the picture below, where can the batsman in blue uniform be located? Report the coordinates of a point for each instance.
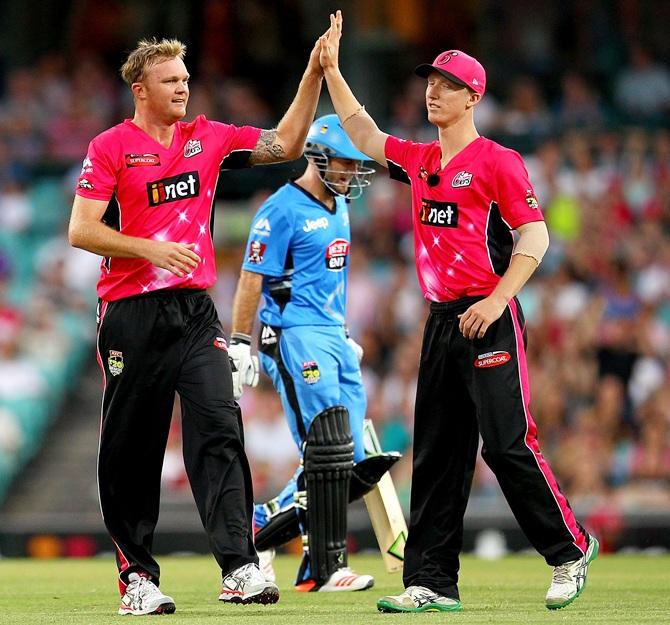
(297, 257)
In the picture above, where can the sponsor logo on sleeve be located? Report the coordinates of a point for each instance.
(173, 189)
(310, 372)
(85, 184)
(192, 147)
(262, 227)
(143, 160)
(439, 214)
(492, 359)
(115, 362)
(86, 166)
(256, 252)
(336, 254)
(531, 200)
(462, 179)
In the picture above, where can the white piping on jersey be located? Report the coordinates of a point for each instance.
(327, 306)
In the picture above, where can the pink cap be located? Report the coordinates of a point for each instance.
(459, 67)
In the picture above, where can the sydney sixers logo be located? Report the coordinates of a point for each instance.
(446, 57)
(192, 147)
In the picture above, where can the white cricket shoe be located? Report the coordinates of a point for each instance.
(418, 599)
(569, 580)
(265, 564)
(345, 579)
(143, 597)
(248, 585)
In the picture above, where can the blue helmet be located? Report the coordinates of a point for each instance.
(326, 138)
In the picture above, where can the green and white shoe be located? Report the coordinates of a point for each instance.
(569, 580)
(418, 599)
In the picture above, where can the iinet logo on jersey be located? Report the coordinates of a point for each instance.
(172, 189)
(438, 214)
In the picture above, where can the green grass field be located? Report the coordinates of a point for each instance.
(621, 589)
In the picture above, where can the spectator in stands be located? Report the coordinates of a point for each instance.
(11, 440)
(19, 377)
(642, 88)
(526, 116)
(579, 105)
(16, 211)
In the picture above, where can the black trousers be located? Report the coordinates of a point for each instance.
(149, 347)
(467, 388)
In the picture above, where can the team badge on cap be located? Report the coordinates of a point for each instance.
(457, 66)
(446, 57)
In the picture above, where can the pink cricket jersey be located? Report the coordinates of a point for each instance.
(166, 194)
(464, 213)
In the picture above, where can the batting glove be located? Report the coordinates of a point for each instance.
(244, 365)
(358, 350)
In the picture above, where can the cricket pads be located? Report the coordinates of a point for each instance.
(328, 461)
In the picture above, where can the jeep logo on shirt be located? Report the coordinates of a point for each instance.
(440, 214)
(336, 255)
(315, 224)
(174, 188)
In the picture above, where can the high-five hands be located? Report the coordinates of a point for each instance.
(330, 42)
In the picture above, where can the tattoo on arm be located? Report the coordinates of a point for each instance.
(266, 150)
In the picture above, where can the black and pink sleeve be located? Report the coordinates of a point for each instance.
(237, 144)
(515, 195)
(398, 153)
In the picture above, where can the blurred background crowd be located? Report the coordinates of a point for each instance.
(581, 89)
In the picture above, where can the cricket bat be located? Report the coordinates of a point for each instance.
(386, 515)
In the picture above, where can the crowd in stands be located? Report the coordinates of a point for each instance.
(598, 308)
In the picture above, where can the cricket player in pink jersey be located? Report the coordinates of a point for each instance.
(468, 194)
(144, 203)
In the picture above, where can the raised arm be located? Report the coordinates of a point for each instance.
(89, 232)
(357, 123)
(287, 141)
